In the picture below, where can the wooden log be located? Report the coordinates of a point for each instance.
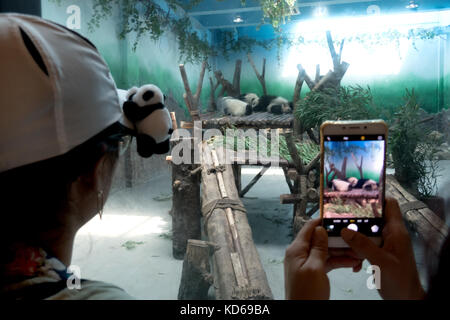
(334, 56)
(212, 100)
(290, 198)
(431, 229)
(196, 277)
(173, 117)
(303, 191)
(296, 198)
(227, 85)
(192, 100)
(312, 136)
(186, 210)
(237, 176)
(328, 77)
(298, 84)
(238, 259)
(359, 166)
(219, 231)
(237, 78)
(288, 180)
(187, 96)
(311, 165)
(298, 129)
(294, 152)
(200, 85)
(292, 173)
(310, 83)
(341, 72)
(341, 47)
(254, 180)
(317, 79)
(260, 77)
(353, 194)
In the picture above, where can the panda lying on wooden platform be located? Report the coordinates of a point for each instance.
(353, 183)
(250, 102)
(233, 107)
(267, 103)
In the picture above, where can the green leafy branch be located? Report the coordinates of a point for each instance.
(343, 103)
(147, 18)
(414, 149)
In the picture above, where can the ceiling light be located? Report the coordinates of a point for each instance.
(412, 5)
(238, 19)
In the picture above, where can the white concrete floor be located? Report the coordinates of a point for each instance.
(149, 271)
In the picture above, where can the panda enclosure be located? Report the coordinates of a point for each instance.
(207, 196)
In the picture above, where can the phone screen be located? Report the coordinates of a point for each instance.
(353, 185)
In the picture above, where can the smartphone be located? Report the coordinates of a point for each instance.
(352, 184)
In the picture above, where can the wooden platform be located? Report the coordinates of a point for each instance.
(257, 120)
(353, 194)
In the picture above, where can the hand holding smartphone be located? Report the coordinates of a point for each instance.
(353, 170)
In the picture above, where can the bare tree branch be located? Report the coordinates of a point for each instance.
(317, 79)
(237, 78)
(334, 56)
(200, 83)
(358, 166)
(340, 50)
(259, 76)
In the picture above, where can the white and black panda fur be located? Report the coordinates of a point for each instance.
(273, 104)
(250, 98)
(234, 107)
(146, 114)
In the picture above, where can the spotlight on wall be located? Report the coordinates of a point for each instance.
(238, 19)
(320, 12)
(412, 5)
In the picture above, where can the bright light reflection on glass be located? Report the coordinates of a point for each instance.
(117, 224)
(385, 58)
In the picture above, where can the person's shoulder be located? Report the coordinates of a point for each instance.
(92, 290)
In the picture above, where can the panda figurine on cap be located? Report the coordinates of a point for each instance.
(146, 114)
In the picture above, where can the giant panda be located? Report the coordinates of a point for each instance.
(234, 107)
(365, 184)
(250, 98)
(273, 104)
(146, 114)
(339, 185)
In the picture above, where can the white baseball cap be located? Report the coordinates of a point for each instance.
(56, 91)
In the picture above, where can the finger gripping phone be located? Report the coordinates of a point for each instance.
(353, 171)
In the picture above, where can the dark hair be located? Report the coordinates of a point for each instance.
(440, 280)
(33, 195)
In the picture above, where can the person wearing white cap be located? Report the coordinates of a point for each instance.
(60, 138)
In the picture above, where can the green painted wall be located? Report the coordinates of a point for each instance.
(425, 68)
